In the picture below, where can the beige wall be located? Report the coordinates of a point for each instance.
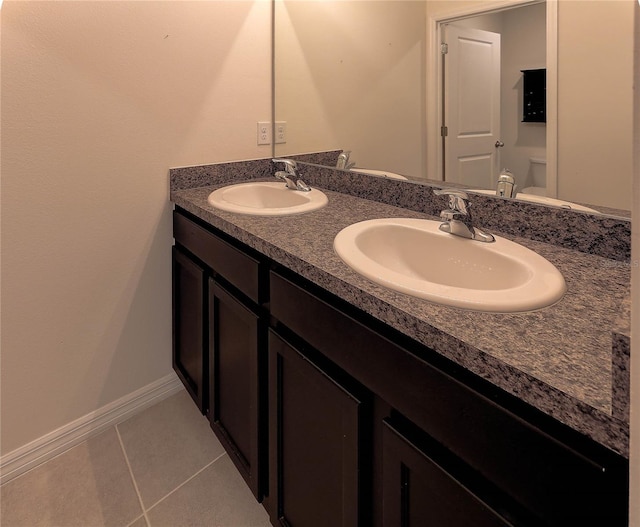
(99, 99)
(594, 99)
(347, 78)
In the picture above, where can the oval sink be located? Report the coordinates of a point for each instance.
(414, 257)
(266, 198)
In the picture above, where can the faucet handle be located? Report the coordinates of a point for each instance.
(290, 175)
(457, 218)
(281, 174)
(458, 200)
(289, 164)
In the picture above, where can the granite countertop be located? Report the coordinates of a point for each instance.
(558, 359)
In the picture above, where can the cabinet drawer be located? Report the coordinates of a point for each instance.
(563, 486)
(236, 267)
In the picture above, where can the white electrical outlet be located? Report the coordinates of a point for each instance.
(281, 132)
(264, 133)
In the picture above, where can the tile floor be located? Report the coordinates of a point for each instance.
(162, 467)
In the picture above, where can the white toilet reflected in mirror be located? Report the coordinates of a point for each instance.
(537, 177)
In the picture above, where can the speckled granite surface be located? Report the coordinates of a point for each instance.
(621, 367)
(558, 359)
(201, 176)
(319, 158)
(602, 235)
(605, 236)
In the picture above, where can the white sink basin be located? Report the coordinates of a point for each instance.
(543, 200)
(266, 198)
(414, 257)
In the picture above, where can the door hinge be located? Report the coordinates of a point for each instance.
(444, 48)
(444, 131)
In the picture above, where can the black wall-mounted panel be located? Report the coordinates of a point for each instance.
(534, 99)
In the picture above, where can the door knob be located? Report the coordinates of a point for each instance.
(499, 144)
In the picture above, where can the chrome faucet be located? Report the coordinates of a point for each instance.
(457, 218)
(343, 161)
(290, 175)
(506, 184)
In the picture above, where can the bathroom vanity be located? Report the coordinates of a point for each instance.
(344, 403)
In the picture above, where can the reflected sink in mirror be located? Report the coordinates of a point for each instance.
(413, 256)
(542, 200)
(383, 173)
(266, 198)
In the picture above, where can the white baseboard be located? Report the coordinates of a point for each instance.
(54, 443)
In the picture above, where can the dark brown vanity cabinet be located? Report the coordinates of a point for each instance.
(334, 418)
(483, 457)
(220, 340)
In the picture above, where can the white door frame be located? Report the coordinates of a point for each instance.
(434, 84)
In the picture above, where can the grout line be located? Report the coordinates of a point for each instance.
(133, 479)
(134, 521)
(187, 480)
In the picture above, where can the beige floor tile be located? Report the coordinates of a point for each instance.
(88, 486)
(217, 497)
(166, 444)
(140, 522)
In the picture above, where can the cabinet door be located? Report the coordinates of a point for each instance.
(314, 432)
(189, 329)
(417, 492)
(234, 371)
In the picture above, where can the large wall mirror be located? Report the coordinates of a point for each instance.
(373, 77)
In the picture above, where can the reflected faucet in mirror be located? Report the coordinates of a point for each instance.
(506, 184)
(343, 161)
